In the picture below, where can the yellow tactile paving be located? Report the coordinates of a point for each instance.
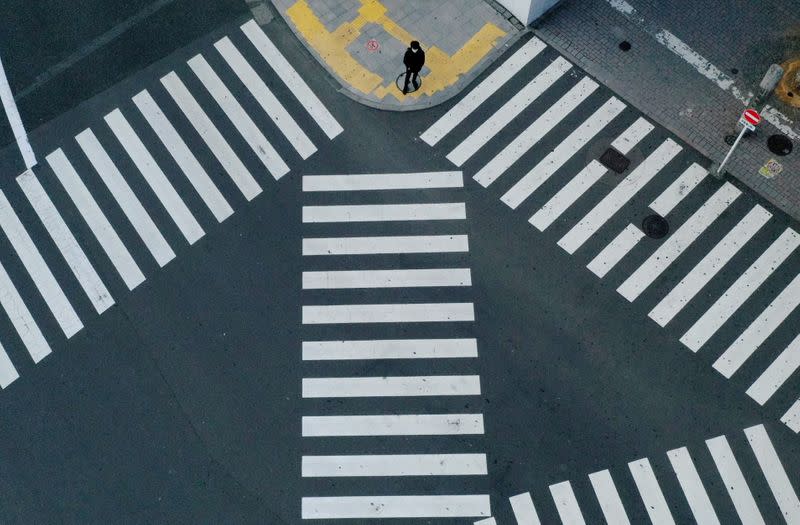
(445, 70)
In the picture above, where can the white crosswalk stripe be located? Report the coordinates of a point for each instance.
(619, 196)
(152, 173)
(329, 320)
(777, 373)
(37, 268)
(678, 190)
(658, 493)
(615, 251)
(562, 153)
(269, 102)
(183, 156)
(136, 162)
(485, 89)
(373, 507)
(289, 76)
(535, 132)
(510, 110)
(63, 238)
(127, 200)
(96, 220)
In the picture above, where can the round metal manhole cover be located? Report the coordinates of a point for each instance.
(625, 45)
(401, 80)
(655, 226)
(779, 144)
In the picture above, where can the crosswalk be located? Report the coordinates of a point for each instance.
(648, 488)
(117, 157)
(386, 326)
(588, 172)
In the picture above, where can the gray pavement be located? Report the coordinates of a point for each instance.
(183, 402)
(742, 41)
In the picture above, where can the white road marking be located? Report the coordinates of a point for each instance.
(15, 121)
(734, 481)
(759, 330)
(692, 486)
(487, 521)
(649, 490)
(792, 417)
(524, 511)
(778, 372)
(211, 136)
(383, 181)
(619, 196)
(384, 507)
(608, 497)
(616, 250)
(389, 349)
(535, 132)
(593, 172)
(265, 152)
(678, 242)
(565, 150)
(402, 425)
(21, 318)
(293, 81)
(119, 255)
(404, 386)
(394, 465)
(127, 200)
(566, 504)
(385, 212)
(37, 268)
(509, 111)
(632, 136)
(154, 176)
(388, 313)
(65, 241)
(752, 279)
(265, 98)
(386, 278)
(386, 245)
(773, 471)
(699, 276)
(8, 374)
(183, 156)
(483, 91)
(678, 190)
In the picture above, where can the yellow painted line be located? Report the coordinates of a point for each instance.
(445, 70)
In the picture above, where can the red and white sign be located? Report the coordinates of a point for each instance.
(751, 116)
(750, 119)
(373, 45)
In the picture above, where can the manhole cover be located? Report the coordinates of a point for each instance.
(625, 45)
(655, 226)
(779, 144)
(401, 80)
(614, 160)
(730, 139)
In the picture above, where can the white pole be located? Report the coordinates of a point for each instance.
(15, 121)
(728, 156)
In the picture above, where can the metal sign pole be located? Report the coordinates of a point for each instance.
(728, 156)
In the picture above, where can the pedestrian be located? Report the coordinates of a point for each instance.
(414, 59)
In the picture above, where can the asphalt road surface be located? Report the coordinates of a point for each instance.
(203, 329)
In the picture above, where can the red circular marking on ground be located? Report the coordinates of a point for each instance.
(752, 116)
(373, 45)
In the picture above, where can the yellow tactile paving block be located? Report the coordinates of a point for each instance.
(332, 47)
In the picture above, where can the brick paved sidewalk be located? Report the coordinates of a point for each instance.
(362, 42)
(673, 93)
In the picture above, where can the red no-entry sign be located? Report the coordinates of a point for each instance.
(752, 116)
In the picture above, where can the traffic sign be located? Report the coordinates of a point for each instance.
(752, 116)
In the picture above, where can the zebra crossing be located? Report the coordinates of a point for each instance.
(386, 326)
(118, 156)
(584, 168)
(626, 497)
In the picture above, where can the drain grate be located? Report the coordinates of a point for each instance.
(779, 144)
(614, 160)
(655, 226)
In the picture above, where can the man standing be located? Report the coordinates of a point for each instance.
(414, 59)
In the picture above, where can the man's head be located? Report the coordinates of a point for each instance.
(415, 45)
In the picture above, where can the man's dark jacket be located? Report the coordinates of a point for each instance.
(414, 61)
